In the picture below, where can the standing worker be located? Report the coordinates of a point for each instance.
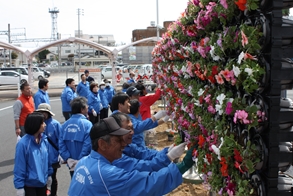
(83, 87)
(41, 95)
(104, 101)
(110, 91)
(67, 95)
(88, 77)
(23, 106)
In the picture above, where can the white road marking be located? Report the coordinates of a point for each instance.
(8, 107)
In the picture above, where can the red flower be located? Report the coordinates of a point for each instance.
(215, 70)
(238, 166)
(201, 140)
(209, 158)
(241, 4)
(237, 156)
(224, 168)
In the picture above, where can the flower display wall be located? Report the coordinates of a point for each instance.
(210, 68)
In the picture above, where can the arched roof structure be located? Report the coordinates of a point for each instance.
(112, 52)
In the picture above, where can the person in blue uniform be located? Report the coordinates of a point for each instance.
(95, 174)
(67, 95)
(32, 166)
(83, 88)
(41, 96)
(74, 142)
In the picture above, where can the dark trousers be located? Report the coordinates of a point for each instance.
(66, 115)
(54, 185)
(94, 119)
(71, 173)
(104, 113)
(35, 191)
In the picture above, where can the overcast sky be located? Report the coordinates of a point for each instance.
(116, 17)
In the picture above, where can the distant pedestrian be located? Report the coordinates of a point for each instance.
(32, 166)
(52, 131)
(88, 77)
(104, 101)
(23, 106)
(131, 80)
(83, 88)
(94, 102)
(41, 95)
(67, 95)
(110, 91)
(75, 141)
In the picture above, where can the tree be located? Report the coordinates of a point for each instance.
(14, 55)
(42, 55)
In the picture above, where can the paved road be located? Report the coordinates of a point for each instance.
(7, 150)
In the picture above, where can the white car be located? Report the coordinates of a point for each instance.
(37, 73)
(11, 77)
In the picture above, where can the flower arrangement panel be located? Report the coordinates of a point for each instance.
(208, 65)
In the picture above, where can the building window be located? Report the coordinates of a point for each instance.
(67, 51)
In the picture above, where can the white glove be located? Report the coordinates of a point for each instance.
(94, 113)
(160, 114)
(101, 106)
(176, 151)
(49, 183)
(166, 118)
(170, 148)
(71, 163)
(20, 192)
(61, 161)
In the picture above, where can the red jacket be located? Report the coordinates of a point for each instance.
(28, 107)
(147, 102)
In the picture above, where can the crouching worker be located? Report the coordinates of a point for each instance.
(95, 174)
(32, 168)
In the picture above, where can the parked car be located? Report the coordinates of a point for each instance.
(37, 73)
(46, 73)
(107, 72)
(21, 70)
(11, 77)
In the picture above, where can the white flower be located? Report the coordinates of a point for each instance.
(215, 57)
(230, 100)
(183, 108)
(183, 69)
(206, 160)
(248, 71)
(200, 92)
(173, 42)
(219, 109)
(196, 102)
(221, 98)
(236, 71)
(217, 150)
(240, 57)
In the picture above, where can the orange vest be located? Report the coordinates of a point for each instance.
(28, 107)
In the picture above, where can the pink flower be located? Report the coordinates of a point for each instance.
(226, 74)
(242, 116)
(207, 98)
(224, 4)
(229, 108)
(244, 39)
(211, 109)
(219, 79)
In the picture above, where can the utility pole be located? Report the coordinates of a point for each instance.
(9, 43)
(158, 30)
(79, 12)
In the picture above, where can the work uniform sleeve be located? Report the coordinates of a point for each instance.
(78, 89)
(87, 145)
(17, 106)
(19, 166)
(37, 100)
(69, 96)
(151, 99)
(63, 151)
(141, 126)
(130, 163)
(142, 183)
(140, 152)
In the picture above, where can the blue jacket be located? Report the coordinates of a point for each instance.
(52, 131)
(41, 97)
(95, 175)
(66, 96)
(94, 102)
(103, 97)
(32, 164)
(83, 89)
(130, 81)
(139, 126)
(142, 152)
(75, 141)
(110, 92)
(130, 163)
